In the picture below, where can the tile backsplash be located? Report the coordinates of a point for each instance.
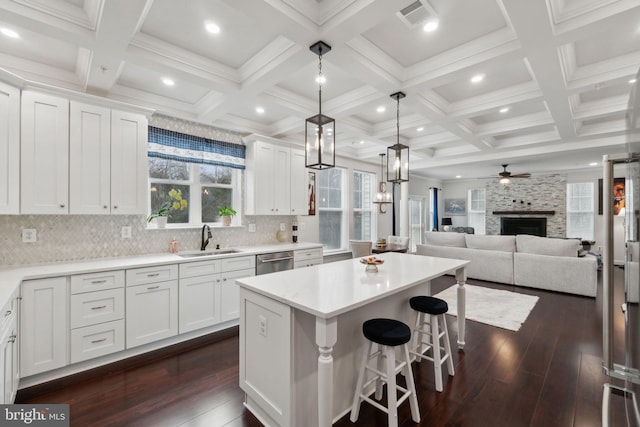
(81, 237)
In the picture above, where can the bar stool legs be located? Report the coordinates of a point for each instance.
(430, 333)
(385, 371)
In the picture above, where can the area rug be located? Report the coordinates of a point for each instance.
(504, 309)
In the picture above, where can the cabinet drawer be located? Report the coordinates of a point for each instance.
(97, 281)
(96, 307)
(97, 340)
(307, 262)
(306, 254)
(142, 276)
(239, 263)
(199, 268)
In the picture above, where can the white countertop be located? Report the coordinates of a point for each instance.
(328, 290)
(11, 277)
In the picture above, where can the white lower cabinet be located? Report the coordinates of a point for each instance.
(307, 257)
(43, 325)
(208, 292)
(97, 340)
(152, 312)
(9, 375)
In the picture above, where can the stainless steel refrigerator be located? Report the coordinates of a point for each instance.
(622, 362)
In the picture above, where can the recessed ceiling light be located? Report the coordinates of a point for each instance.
(431, 25)
(259, 110)
(380, 109)
(212, 27)
(504, 109)
(632, 81)
(477, 78)
(167, 81)
(458, 176)
(420, 129)
(321, 79)
(9, 33)
(361, 142)
(593, 164)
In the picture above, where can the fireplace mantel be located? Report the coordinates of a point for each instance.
(524, 212)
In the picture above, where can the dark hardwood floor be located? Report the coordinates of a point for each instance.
(547, 374)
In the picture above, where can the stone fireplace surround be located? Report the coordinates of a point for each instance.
(539, 196)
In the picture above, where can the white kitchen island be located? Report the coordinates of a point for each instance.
(301, 331)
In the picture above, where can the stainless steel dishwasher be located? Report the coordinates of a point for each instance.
(274, 261)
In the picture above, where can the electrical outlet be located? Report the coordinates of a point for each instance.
(29, 235)
(252, 227)
(262, 325)
(283, 226)
(303, 226)
(126, 232)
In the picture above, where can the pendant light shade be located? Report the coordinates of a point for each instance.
(383, 197)
(398, 154)
(319, 130)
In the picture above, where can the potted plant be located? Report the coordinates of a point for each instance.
(175, 202)
(226, 212)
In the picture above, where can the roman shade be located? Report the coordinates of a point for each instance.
(167, 144)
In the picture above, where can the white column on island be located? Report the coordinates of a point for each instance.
(326, 336)
(461, 278)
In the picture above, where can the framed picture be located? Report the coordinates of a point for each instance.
(312, 193)
(455, 206)
(618, 196)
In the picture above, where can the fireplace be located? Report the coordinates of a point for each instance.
(533, 226)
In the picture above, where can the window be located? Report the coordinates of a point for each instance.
(331, 208)
(476, 214)
(580, 210)
(216, 186)
(364, 185)
(417, 221)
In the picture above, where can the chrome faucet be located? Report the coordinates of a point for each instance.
(204, 242)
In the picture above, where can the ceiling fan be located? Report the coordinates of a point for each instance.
(505, 176)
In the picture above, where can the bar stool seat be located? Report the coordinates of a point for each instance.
(430, 315)
(386, 335)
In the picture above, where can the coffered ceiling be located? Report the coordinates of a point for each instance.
(553, 95)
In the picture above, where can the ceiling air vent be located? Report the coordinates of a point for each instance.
(416, 14)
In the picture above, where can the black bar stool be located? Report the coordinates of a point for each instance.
(386, 335)
(430, 315)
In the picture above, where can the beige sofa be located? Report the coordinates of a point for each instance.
(536, 262)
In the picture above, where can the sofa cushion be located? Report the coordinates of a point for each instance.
(445, 239)
(547, 246)
(492, 243)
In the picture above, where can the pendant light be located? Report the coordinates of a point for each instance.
(383, 197)
(398, 154)
(319, 130)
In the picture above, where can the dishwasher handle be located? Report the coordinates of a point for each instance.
(274, 259)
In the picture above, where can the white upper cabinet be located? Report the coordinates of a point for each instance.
(271, 168)
(299, 184)
(80, 158)
(89, 159)
(44, 154)
(9, 149)
(128, 163)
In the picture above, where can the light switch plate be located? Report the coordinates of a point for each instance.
(29, 235)
(126, 232)
(282, 226)
(252, 227)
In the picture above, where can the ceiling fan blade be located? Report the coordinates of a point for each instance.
(521, 175)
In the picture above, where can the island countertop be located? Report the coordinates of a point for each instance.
(328, 290)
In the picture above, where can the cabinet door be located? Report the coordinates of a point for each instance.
(230, 294)
(299, 184)
(9, 363)
(9, 150)
(89, 159)
(263, 183)
(43, 325)
(152, 312)
(199, 302)
(128, 163)
(282, 181)
(44, 154)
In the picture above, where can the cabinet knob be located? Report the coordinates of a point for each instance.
(12, 338)
(61, 205)
(7, 313)
(105, 207)
(115, 206)
(224, 280)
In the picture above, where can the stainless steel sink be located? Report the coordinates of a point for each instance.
(209, 253)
